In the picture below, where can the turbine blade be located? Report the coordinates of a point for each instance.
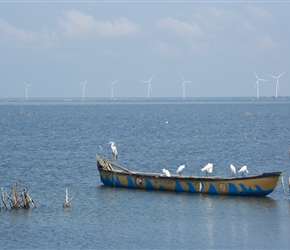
(150, 85)
(281, 74)
(257, 82)
(255, 74)
(272, 76)
(151, 78)
(182, 77)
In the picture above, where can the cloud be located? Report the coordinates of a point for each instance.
(258, 12)
(208, 29)
(266, 42)
(79, 25)
(10, 32)
(11, 35)
(178, 27)
(165, 50)
(218, 20)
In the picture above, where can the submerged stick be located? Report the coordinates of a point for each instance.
(26, 199)
(282, 179)
(67, 200)
(15, 202)
(15, 199)
(2, 198)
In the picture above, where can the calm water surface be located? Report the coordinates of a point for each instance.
(53, 146)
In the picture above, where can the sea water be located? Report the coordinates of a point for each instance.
(52, 146)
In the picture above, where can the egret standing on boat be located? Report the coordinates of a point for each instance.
(244, 170)
(114, 150)
(179, 170)
(166, 172)
(207, 168)
(233, 169)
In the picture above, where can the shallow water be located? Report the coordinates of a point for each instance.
(53, 146)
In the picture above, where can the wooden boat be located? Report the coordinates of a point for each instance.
(259, 185)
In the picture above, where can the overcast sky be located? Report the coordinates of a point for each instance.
(216, 44)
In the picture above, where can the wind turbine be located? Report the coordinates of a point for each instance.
(149, 85)
(257, 83)
(84, 88)
(183, 85)
(277, 82)
(26, 89)
(112, 89)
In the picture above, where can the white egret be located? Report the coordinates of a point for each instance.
(166, 172)
(179, 170)
(208, 168)
(114, 150)
(244, 170)
(233, 169)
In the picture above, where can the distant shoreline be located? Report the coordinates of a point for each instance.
(139, 99)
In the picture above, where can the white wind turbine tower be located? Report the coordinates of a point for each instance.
(257, 84)
(84, 88)
(277, 82)
(26, 89)
(149, 85)
(183, 85)
(112, 88)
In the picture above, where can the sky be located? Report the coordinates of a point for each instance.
(217, 45)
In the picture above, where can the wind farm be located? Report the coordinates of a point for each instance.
(258, 85)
